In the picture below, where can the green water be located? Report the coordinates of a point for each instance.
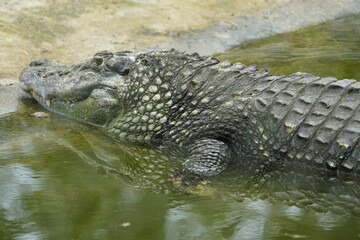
(64, 180)
(330, 49)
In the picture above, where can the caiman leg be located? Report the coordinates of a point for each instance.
(208, 157)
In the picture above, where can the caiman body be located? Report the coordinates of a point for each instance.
(211, 112)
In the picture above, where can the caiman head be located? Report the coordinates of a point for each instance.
(134, 95)
(89, 91)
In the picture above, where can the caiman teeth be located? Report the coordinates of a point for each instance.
(48, 102)
(72, 100)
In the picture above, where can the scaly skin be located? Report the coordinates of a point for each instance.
(209, 111)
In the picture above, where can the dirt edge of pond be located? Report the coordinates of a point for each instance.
(69, 34)
(278, 19)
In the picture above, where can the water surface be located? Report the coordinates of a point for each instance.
(329, 49)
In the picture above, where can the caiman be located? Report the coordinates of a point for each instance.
(208, 111)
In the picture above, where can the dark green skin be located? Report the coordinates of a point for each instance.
(211, 112)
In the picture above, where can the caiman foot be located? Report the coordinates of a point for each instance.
(184, 178)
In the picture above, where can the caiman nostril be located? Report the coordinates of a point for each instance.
(39, 62)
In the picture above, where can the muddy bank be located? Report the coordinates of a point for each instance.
(9, 93)
(69, 31)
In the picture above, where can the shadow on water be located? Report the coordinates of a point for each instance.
(63, 180)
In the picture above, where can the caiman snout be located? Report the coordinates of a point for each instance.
(49, 82)
(27, 78)
(34, 74)
(40, 62)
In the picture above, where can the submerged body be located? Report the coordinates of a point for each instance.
(211, 112)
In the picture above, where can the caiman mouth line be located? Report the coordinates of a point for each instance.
(110, 92)
(48, 101)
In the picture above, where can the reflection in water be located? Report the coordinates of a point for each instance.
(17, 181)
(64, 180)
(214, 219)
(186, 221)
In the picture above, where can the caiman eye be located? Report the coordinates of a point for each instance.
(98, 61)
(100, 56)
(121, 67)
